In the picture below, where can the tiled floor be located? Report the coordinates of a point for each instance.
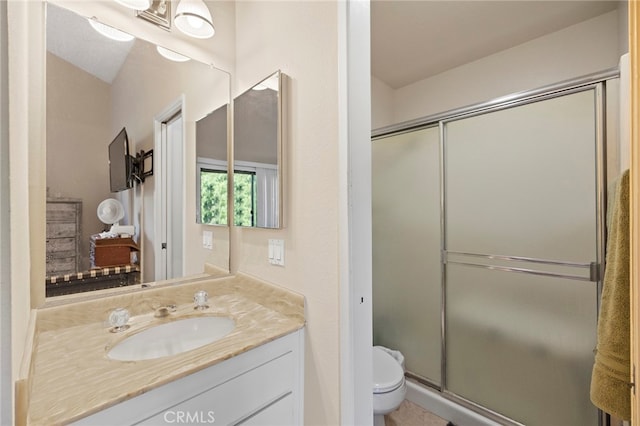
(410, 414)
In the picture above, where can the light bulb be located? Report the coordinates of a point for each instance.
(109, 31)
(195, 22)
(171, 55)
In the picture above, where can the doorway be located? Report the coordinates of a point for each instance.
(169, 202)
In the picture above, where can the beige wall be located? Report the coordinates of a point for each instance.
(382, 105)
(78, 131)
(587, 47)
(27, 165)
(300, 38)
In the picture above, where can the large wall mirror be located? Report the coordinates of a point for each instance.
(257, 155)
(96, 87)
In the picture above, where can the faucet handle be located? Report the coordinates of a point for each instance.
(118, 319)
(200, 298)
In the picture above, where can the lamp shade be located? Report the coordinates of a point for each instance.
(194, 19)
(135, 4)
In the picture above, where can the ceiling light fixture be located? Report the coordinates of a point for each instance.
(110, 32)
(135, 4)
(171, 55)
(194, 19)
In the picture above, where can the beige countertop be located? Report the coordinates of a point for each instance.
(71, 377)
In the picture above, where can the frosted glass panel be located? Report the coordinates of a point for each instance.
(521, 344)
(406, 248)
(522, 181)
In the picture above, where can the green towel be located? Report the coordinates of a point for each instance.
(610, 380)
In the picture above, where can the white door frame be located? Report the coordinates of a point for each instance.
(355, 243)
(161, 224)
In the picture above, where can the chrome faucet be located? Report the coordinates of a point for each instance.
(164, 311)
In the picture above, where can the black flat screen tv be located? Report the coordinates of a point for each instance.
(120, 163)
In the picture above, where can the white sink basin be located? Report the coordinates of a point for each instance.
(172, 338)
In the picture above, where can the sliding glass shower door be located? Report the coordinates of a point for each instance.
(487, 237)
(406, 250)
(521, 242)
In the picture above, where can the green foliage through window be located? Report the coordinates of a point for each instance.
(245, 198)
(213, 197)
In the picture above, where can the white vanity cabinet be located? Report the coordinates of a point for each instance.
(263, 386)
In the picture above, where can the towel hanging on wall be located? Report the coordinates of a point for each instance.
(610, 380)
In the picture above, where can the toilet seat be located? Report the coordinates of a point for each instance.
(387, 373)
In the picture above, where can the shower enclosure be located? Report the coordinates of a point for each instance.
(488, 236)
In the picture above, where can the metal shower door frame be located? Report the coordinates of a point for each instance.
(595, 82)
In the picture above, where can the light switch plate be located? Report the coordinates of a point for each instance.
(207, 240)
(276, 252)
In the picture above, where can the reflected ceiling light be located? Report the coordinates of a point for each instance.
(135, 4)
(110, 32)
(171, 55)
(194, 19)
(270, 83)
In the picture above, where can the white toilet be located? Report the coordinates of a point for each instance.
(389, 387)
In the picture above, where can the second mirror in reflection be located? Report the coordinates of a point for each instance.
(257, 159)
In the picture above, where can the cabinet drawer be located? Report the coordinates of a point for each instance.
(259, 388)
(279, 413)
(57, 230)
(62, 212)
(61, 247)
(62, 266)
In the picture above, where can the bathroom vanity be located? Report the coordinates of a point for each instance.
(252, 375)
(260, 387)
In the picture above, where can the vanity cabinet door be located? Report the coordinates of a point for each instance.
(237, 400)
